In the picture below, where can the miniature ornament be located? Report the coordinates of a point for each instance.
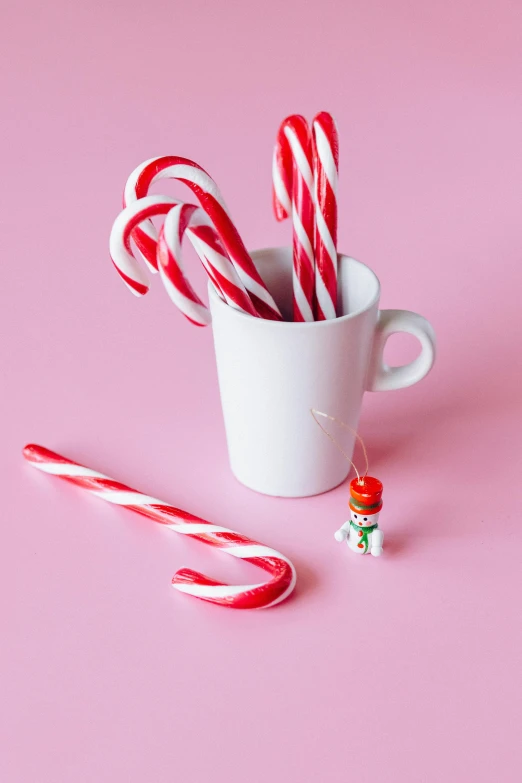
(361, 532)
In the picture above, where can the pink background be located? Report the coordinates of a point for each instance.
(405, 668)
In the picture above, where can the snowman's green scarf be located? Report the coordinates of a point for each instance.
(365, 533)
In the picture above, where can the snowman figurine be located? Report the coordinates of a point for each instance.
(361, 531)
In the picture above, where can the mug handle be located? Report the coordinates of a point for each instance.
(382, 377)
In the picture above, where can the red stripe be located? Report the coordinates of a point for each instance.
(146, 245)
(38, 454)
(138, 287)
(186, 212)
(305, 273)
(149, 211)
(232, 292)
(208, 235)
(256, 598)
(283, 160)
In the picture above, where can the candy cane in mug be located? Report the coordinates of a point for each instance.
(252, 596)
(214, 259)
(210, 198)
(293, 194)
(326, 165)
(170, 265)
(145, 235)
(186, 218)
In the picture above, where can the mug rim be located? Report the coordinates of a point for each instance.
(233, 313)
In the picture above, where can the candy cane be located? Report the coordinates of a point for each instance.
(293, 189)
(193, 221)
(254, 596)
(171, 269)
(145, 235)
(176, 283)
(119, 243)
(326, 165)
(208, 194)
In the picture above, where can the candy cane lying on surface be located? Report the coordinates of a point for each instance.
(326, 165)
(186, 298)
(254, 596)
(293, 194)
(210, 198)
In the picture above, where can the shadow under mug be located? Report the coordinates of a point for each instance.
(272, 373)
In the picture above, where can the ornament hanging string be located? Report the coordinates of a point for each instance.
(315, 413)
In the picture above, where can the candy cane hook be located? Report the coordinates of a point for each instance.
(255, 596)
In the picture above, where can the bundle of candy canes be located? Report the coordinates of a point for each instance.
(305, 171)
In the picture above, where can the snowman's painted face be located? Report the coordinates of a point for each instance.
(364, 520)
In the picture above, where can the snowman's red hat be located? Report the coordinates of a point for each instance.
(365, 495)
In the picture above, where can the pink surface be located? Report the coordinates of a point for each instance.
(404, 668)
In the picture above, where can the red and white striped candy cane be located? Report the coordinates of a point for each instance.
(193, 221)
(171, 269)
(326, 165)
(145, 235)
(293, 194)
(119, 244)
(210, 198)
(255, 596)
(216, 263)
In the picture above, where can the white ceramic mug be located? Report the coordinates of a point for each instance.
(272, 373)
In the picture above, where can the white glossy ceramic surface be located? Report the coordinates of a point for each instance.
(272, 373)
